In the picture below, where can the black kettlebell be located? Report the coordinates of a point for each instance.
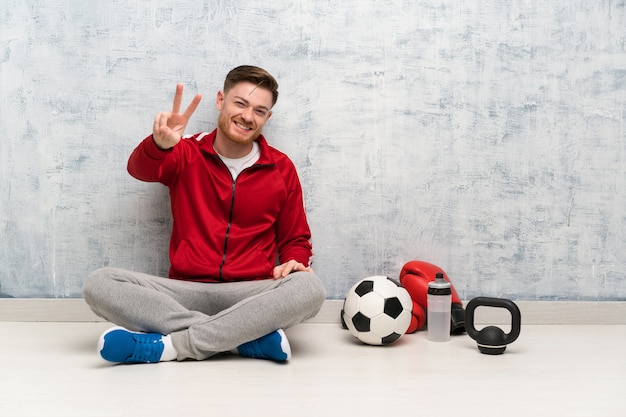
(492, 340)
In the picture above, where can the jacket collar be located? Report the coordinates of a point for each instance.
(206, 145)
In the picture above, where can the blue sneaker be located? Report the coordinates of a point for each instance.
(123, 346)
(274, 346)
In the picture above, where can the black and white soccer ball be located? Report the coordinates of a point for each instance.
(377, 310)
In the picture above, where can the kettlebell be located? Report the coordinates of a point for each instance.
(492, 340)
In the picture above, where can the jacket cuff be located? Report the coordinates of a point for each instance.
(298, 255)
(152, 150)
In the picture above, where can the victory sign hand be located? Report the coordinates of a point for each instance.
(168, 127)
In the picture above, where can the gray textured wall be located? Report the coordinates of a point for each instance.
(483, 136)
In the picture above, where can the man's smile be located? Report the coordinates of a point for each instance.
(242, 126)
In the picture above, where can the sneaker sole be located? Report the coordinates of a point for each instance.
(284, 343)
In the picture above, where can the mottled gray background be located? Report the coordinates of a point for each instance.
(484, 136)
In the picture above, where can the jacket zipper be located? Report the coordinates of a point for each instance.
(230, 212)
(228, 226)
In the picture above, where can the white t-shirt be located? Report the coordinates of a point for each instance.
(235, 166)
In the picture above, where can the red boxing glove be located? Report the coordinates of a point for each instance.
(414, 277)
(418, 318)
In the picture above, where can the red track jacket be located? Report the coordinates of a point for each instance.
(227, 230)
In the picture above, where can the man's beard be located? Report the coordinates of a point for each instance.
(224, 123)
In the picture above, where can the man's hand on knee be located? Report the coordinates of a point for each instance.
(281, 271)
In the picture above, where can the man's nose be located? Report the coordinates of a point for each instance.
(248, 114)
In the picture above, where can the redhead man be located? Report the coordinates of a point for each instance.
(240, 246)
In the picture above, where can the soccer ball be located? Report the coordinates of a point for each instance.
(377, 310)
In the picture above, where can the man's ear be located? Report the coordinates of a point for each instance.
(219, 100)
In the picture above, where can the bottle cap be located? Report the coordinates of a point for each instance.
(439, 286)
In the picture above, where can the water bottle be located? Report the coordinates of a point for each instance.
(439, 304)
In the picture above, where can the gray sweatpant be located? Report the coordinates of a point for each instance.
(203, 318)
